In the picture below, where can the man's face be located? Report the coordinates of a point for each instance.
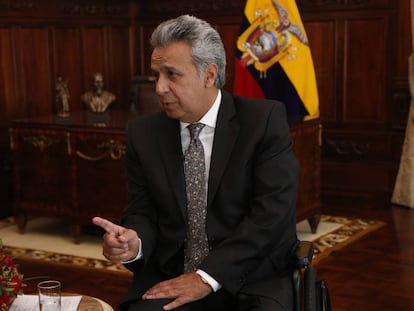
(98, 84)
(182, 93)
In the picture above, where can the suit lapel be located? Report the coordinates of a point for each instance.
(171, 153)
(226, 132)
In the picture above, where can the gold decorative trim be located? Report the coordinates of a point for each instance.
(91, 9)
(311, 3)
(166, 7)
(113, 148)
(348, 147)
(17, 5)
(41, 142)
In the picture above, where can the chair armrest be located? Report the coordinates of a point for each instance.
(304, 254)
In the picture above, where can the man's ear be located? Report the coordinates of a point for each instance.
(210, 75)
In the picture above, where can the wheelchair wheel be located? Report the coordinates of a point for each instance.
(310, 290)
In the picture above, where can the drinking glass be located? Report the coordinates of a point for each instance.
(49, 295)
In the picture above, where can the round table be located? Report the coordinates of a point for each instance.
(89, 303)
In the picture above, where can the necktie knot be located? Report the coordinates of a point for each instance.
(195, 129)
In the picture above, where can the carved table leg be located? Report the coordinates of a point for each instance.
(20, 218)
(75, 230)
(314, 222)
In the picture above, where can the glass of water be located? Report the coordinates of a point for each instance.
(49, 295)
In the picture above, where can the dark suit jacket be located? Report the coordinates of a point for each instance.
(251, 196)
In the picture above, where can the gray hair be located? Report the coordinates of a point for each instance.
(206, 45)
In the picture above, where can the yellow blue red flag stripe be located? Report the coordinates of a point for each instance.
(274, 59)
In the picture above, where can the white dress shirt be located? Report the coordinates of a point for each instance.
(206, 137)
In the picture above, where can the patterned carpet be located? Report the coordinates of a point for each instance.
(64, 259)
(348, 231)
(49, 240)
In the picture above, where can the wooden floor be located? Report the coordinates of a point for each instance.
(374, 273)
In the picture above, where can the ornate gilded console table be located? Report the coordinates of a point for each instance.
(69, 167)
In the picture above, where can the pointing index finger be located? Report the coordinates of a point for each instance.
(105, 224)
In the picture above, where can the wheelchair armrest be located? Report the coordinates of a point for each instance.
(304, 254)
(302, 259)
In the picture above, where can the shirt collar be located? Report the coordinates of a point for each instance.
(210, 118)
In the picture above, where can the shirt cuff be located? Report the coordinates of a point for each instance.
(212, 282)
(138, 256)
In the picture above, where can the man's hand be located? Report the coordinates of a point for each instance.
(119, 243)
(185, 288)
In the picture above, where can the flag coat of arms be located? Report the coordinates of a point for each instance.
(274, 59)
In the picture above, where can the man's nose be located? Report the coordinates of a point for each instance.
(161, 85)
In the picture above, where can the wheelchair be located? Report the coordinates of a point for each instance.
(310, 293)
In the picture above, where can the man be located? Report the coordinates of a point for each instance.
(251, 183)
(98, 99)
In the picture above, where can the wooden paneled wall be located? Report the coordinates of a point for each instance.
(41, 40)
(360, 50)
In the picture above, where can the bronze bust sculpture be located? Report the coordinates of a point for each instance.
(98, 99)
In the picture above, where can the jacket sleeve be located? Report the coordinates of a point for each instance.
(139, 213)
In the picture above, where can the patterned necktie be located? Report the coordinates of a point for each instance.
(196, 246)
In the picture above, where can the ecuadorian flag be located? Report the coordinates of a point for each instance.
(273, 58)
